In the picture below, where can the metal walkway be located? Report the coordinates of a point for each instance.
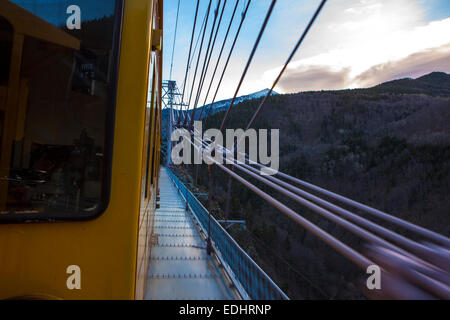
(179, 266)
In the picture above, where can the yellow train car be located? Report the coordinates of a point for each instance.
(80, 122)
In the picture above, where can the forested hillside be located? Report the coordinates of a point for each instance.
(387, 146)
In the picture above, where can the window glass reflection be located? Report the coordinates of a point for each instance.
(56, 76)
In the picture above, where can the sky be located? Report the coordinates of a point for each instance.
(353, 44)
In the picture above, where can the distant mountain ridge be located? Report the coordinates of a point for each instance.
(223, 104)
(435, 83)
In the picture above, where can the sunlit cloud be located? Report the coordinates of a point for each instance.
(413, 66)
(360, 43)
(314, 77)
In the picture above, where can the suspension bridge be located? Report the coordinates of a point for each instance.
(215, 263)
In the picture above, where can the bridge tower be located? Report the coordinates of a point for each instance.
(171, 101)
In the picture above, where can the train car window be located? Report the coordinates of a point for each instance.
(58, 78)
(6, 40)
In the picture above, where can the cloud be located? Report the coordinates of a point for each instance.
(322, 77)
(413, 66)
(358, 43)
(310, 78)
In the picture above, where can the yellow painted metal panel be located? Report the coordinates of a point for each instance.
(34, 257)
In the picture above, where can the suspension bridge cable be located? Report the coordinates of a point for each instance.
(395, 220)
(244, 15)
(194, 51)
(174, 40)
(431, 235)
(422, 274)
(247, 66)
(190, 62)
(205, 71)
(269, 93)
(291, 56)
(375, 212)
(190, 49)
(219, 57)
(202, 29)
(425, 275)
(321, 206)
(354, 256)
(199, 55)
(292, 268)
(208, 56)
(419, 249)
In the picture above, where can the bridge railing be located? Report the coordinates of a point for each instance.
(239, 265)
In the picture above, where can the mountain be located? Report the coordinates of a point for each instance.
(435, 83)
(223, 104)
(386, 146)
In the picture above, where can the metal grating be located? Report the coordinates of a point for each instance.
(179, 268)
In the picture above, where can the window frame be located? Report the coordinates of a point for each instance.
(105, 196)
(150, 137)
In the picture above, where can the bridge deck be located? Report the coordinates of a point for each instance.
(179, 266)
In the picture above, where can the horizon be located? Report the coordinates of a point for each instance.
(384, 41)
(322, 90)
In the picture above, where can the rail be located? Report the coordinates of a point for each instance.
(252, 282)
